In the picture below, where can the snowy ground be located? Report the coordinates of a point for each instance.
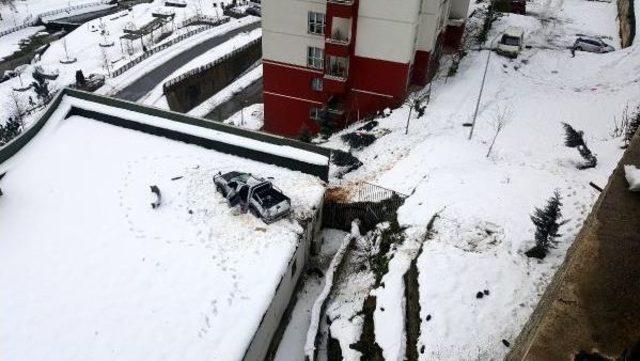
(85, 253)
(10, 42)
(157, 98)
(15, 13)
(251, 117)
(485, 202)
(83, 44)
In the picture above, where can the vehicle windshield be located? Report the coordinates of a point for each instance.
(510, 40)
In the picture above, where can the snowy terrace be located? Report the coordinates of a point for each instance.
(83, 252)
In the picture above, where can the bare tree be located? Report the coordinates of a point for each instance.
(105, 61)
(414, 101)
(502, 118)
(16, 108)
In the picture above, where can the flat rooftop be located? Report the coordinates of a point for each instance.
(89, 271)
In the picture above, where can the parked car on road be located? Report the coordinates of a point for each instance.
(256, 195)
(254, 10)
(510, 43)
(592, 45)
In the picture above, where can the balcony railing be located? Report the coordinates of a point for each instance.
(338, 38)
(341, 2)
(337, 73)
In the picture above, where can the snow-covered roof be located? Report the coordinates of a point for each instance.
(93, 272)
(514, 31)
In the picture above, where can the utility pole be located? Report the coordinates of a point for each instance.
(475, 113)
(406, 131)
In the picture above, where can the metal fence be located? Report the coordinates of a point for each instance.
(371, 204)
(173, 81)
(163, 46)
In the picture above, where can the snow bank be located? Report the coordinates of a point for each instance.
(632, 173)
(318, 306)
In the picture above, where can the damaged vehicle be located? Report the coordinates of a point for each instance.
(592, 44)
(510, 43)
(256, 195)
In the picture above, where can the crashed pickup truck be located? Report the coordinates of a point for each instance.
(256, 195)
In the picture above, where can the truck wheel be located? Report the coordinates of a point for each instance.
(254, 211)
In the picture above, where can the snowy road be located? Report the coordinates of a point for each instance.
(146, 83)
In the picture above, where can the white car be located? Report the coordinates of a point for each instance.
(511, 42)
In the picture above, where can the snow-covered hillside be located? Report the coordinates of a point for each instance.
(484, 201)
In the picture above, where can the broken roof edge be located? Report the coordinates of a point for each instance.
(258, 146)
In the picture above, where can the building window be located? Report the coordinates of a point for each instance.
(316, 84)
(315, 57)
(314, 113)
(316, 23)
(338, 66)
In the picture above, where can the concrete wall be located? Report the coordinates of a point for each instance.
(387, 30)
(627, 21)
(263, 345)
(198, 86)
(284, 30)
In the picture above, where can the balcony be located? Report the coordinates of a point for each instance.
(336, 47)
(342, 8)
(335, 107)
(335, 84)
(338, 39)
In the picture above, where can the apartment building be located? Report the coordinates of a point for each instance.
(345, 59)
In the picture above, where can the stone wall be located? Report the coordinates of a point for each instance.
(191, 89)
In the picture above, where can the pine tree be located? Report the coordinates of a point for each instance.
(547, 225)
(41, 87)
(10, 130)
(80, 79)
(632, 126)
(574, 139)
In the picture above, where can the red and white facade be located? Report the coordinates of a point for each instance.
(351, 58)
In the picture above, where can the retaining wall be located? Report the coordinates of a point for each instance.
(193, 88)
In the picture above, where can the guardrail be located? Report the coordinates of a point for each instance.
(163, 46)
(173, 81)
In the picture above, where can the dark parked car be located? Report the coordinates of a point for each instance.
(592, 44)
(258, 196)
(254, 10)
